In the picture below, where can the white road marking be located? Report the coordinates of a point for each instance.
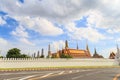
(22, 78)
(78, 71)
(87, 70)
(23, 73)
(77, 77)
(70, 71)
(46, 75)
(61, 72)
(39, 77)
(27, 77)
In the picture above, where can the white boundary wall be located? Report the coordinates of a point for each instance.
(38, 62)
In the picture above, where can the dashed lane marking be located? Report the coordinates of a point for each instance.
(41, 76)
(20, 78)
(61, 72)
(78, 71)
(70, 71)
(35, 77)
(77, 77)
(27, 77)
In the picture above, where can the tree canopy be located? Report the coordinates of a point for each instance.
(15, 53)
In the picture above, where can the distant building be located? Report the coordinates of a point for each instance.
(112, 55)
(96, 55)
(74, 53)
(115, 56)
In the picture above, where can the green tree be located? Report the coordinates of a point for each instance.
(13, 53)
(1, 56)
(42, 56)
(24, 56)
(65, 56)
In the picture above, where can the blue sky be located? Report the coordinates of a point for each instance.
(31, 25)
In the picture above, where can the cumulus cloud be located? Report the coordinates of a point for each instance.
(57, 45)
(22, 35)
(118, 40)
(24, 40)
(56, 9)
(40, 25)
(101, 13)
(40, 16)
(20, 32)
(3, 41)
(88, 33)
(2, 21)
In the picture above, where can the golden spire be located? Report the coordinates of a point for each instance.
(77, 46)
(95, 52)
(66, 44)
(87, 48)
(49, 51)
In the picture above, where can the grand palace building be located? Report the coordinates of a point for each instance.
(74, 53)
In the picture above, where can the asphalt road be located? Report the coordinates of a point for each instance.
(64, 74)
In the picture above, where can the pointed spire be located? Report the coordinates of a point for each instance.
(87, 48)
(38, 54)
(118, 53)
(34, 55)
(95, 52)
(66, 44)
(42, 53)
(49, 51)
(117, 49)
(77, 46)
(49, 47)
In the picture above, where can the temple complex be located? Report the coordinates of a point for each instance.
(112, 55)
(96, 55)
(74, 53)
(115, 55)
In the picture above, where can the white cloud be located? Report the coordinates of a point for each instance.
(39, 15)
(41, 25)
(94, 19)
(3, 41)
(57, 45)
(101, 13)
(2, 21)
(84, 33)
(56, 9)
(20, 32)
(24, 40)
(118, 39)
(22, 35)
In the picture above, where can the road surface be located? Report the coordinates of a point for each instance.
(64, 74)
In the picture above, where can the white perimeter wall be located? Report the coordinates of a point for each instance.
(37, 62)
